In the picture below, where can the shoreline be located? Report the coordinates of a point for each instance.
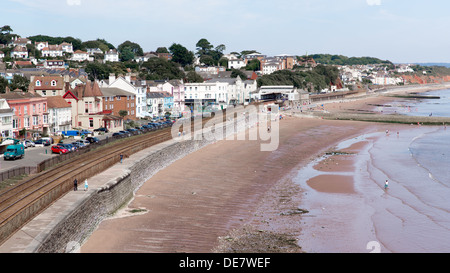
(225, 216)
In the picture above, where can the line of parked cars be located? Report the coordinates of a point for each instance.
(151, 126)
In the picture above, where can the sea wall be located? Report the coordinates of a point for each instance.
(81, 218)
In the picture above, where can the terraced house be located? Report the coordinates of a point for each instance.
(30, 113)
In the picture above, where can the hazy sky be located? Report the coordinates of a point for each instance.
(396, 30)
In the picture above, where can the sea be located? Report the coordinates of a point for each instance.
(412, 215)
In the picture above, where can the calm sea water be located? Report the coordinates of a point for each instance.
(413, 215)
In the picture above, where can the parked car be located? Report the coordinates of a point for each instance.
(118, 134)
(133, 131)
(68, 146)
(101, 129)
(126, 133)
(28, 143)
(59, 149)
(92, 139)
(85, 132)
(42, 142)
(84, 142)
(78, 144)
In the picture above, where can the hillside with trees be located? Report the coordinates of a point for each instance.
(313, 80)
(344, 60)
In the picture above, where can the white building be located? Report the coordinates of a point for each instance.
(67, 47)
(111, 56)
(6, 119)
(236, 63)
(19, 52)
(60, 114)
(80, 56)
(220, 91)
(52, 51)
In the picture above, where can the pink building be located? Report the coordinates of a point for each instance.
(30, 112)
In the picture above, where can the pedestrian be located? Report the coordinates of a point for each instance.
(85, 185)
(386, 184)
(75, 185)
(121, 158)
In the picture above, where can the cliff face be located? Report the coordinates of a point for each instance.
(424, 79)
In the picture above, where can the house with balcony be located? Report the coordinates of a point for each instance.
(155, 104)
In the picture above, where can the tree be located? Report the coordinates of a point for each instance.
(253, 65)
(126, 54)
(237, 72)
(123, 113)
(203, 47)
(193, 77)
(162, 50)
(98, 71)
(6, 29)
(181, 55)
(161, 69)
(19, 82)
(3, 84)
(134, 47)
(207, 60)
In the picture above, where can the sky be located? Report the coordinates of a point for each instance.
(401, 31)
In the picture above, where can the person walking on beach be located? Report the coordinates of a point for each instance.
(75, 185)
(85, 185)
(386, 185)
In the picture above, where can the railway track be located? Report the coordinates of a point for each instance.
(23, 201)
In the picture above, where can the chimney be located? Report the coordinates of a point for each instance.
(112, 78)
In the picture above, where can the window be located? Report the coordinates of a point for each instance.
(35, 120)
(25, 110)
(44, 93)
(38, 83)
(26, 122)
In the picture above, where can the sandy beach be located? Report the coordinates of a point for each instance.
(231, 197)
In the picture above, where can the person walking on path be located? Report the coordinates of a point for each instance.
(85, 185)
(75, 185)
(121, 158)
(386, 184)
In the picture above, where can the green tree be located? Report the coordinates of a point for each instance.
(181, 55)
(253, 65)
(134, 47)
(162, 50)
(161, 69)
(19, 82)
(98, 71)
(203, 47)
(7, 29)
(126, 54)
(123, 113)
(238, 72)
(3, 84)
(193, 77)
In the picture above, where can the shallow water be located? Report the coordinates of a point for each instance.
(413, 215)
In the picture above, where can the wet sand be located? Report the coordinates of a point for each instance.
(218, 189)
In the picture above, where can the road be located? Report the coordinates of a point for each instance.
(34, 155)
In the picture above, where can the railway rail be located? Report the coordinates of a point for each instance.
(23, 201)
